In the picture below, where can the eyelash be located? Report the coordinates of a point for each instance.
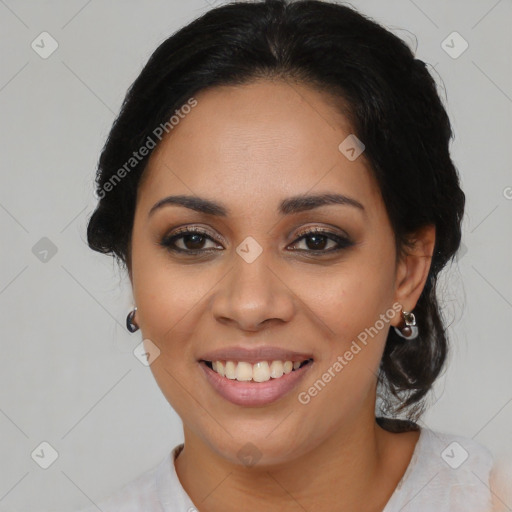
(168, 241)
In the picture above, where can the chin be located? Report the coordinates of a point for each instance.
(258, 449)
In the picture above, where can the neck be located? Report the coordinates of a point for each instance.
(343, 473)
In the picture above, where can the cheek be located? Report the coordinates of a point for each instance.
(346, 376)
(168, 302)
(355, 304)
(167, 296)
(353, 298)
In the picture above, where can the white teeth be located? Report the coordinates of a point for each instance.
(243, 371)
(230, 370)
(220, 368)
(259, 372)
(276, 369)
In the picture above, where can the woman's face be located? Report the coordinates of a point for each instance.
(250, 279)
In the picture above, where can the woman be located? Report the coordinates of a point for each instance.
(279, 187)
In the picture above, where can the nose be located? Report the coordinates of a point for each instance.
(253, 295)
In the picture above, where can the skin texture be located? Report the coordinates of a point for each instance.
(249, 147)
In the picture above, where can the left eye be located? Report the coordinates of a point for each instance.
(318, 241)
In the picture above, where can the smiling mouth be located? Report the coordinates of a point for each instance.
(262, 371)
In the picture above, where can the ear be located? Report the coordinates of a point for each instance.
(412, 269)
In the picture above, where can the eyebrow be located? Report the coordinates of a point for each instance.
(288, 206)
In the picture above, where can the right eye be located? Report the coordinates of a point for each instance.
(192, 241)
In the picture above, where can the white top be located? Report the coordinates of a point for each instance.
(447, 473)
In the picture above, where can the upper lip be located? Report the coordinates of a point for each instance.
(255, 355)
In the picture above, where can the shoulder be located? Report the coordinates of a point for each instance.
(456, 455)
(447, 472)
(138, 494)
(146, 492)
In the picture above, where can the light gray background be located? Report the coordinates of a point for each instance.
(68, 374)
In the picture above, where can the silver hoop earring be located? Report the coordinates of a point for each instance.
(130, 324)
(409, 329)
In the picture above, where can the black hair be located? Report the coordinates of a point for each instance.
(390, 100)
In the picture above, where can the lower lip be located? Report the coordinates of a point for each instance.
(253, 394)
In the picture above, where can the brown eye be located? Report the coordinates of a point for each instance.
(317, 242)
(189, 241)
(323, 241)
(193, 241)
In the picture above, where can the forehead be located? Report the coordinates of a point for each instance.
(257, 143)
